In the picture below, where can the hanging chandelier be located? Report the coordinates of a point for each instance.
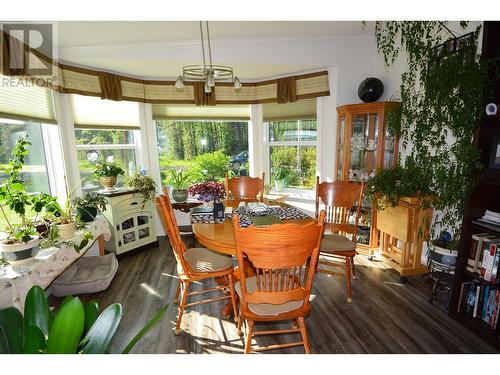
(207, 73)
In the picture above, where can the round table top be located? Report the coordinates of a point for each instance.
(220, 237)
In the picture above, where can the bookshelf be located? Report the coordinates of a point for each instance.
(486, 195)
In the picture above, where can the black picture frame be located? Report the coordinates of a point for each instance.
(495, 153)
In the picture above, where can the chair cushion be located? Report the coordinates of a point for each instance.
(266, 309)
(335, 242)
(86, 275)
(204, 260)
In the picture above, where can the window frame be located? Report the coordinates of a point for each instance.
(297, 143)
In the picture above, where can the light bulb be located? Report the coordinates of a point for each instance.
(208, 89)
(179, 84)
(237, 83)
(211, 79)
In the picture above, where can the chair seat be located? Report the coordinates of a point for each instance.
(336, 243)
(204, 260)
(86, 275)
(266, 309)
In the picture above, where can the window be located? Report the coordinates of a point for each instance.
(292, 152)
(35, 174)
(208, 149)
(112, 145)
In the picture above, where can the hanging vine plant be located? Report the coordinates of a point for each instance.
(443, 93)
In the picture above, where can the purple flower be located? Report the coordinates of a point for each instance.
(208, 191)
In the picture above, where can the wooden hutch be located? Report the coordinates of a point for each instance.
(364, 145)
(486, 196)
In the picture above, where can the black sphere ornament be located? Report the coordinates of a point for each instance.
(370, 90)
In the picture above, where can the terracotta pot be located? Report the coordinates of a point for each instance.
(180, 195)
(108, 182)
(66, 231)
(20, 252)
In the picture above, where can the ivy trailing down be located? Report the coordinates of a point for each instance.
(443, 94)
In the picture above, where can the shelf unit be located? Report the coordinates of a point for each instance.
(486, 195)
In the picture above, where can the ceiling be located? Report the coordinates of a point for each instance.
(158, 50)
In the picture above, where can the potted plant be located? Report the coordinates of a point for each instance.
(66, 220)
(22, 241)
(208, 191)
(281, 175)
(180, 181)
(144, 185)
(75, 328)
(107, 174)
(88, 206)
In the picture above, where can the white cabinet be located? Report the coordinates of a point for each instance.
(132, 225)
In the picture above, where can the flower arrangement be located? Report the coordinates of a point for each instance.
(208, 191)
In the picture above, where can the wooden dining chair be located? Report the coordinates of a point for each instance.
(284, 258)
(194, 264)
(245, 187)
(339, 198)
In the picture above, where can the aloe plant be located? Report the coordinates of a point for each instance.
(75, 328)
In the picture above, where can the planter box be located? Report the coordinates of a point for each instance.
(399, 235)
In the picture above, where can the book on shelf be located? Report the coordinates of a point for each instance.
(487, 259)
(473, 260)
(496, 261)
(464, 291)
(480, 301)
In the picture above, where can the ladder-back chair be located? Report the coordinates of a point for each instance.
(193, 264)
(245, 187)
(284, 257)
(339, 199)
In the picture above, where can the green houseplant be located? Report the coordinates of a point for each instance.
(180, 181)
(21, 243)
(443, 93)
(145, 185)
(281, 176)
(88, 206)
(107, 174)
(76, 328)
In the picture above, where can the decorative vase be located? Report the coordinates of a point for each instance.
(20, 252)
(279, 185)
(180, 195)
(108, 182)
(86, 214)
(66, 231)
(370, 90)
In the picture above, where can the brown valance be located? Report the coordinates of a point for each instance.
(70, 79)
(13, 56)
(201, 97)
(287, 90)
(111, 86)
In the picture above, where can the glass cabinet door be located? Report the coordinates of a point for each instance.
(363, 146)
(340, 151)
(389, 149)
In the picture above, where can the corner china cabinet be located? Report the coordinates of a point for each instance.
(132, 225)
(364, 145)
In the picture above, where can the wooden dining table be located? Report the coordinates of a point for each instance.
(219, 237)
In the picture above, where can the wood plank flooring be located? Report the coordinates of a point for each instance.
(384, 317)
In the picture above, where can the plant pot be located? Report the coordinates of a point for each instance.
(86, 214)
(279, 185)
(180, 195)
(20, 252)
(108, 182)
(66, 231)
(42, 229)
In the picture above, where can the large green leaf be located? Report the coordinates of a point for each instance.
(91, 314)
(4, 346)
(102, 331)
(36, 310)
(158, 316)
(11, 323)
(34, 340)
(67, 328)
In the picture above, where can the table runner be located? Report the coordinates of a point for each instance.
(282, 213)
(16, 281)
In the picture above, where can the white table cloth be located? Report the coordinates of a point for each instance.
(16, 281)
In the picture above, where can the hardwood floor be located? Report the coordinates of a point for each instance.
(384, 317)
